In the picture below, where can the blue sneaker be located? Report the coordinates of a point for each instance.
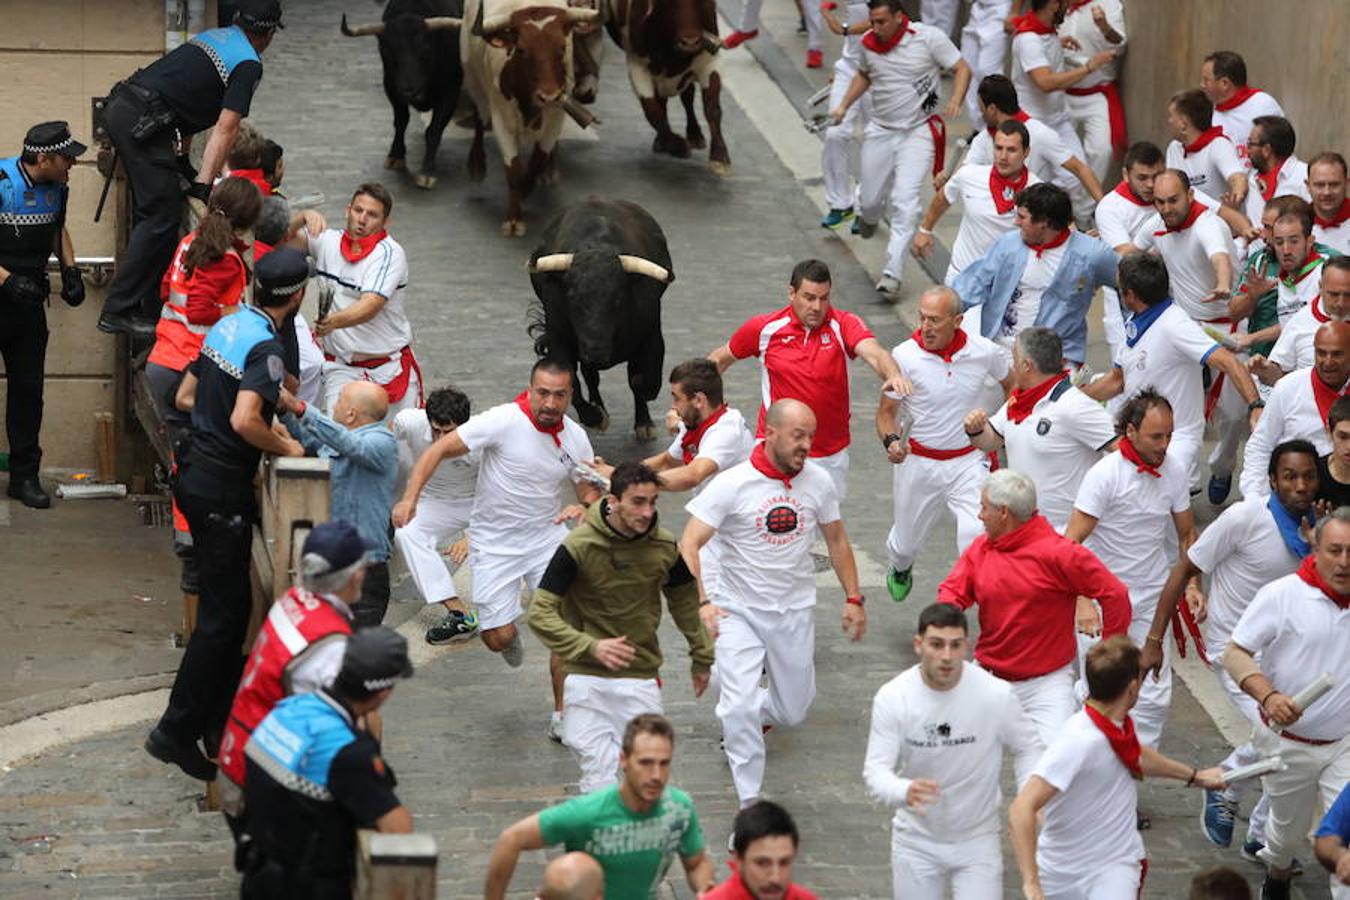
(1216, 818)
(836, 217)
(1219, 487)
(1251, 847)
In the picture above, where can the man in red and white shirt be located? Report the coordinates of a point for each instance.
(804, 349)
(1276, 171)
(1298, 627)
(901, 65)
(1027, 579)
(1331, 206)
(1201, 149)
(1223, 78)
(934, 463)
(1294, 349)
(362, 324)
(1120, 216)
(1095, 106)
(766, 512)
(1084, 791)
(988, 198)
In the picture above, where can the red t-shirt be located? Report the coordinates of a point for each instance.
(734, 889)
(806, 365)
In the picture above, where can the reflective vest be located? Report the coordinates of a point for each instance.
(297, 622)
(226, 48)
(31, 216)
(178, 341)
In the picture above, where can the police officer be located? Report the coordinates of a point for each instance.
(315, 775)
(33, 197)
(209, 81)
(232, 389)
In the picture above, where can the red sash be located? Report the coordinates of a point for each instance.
(927, 452)
(938, 128)
(256, 177)
(1207, 137)
(760, 460)
(356, 249)
(523, 401)
(1022, 402)
(1130, 453)
(1244, 93)
(692, 436)
(953, 346)
(1307, 571)
(1004, 191)
(1342, 216)
(1124, 742)
(1115, 111)
(398, 385)
(1051, 244)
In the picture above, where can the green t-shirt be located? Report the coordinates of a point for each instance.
(635, 850)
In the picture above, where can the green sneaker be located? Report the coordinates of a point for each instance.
(899, 583)
(836, 217)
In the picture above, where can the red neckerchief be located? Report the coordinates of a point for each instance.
(256, 176)
(1191, 215)
(1128, 451)
(1206, 138)
(1342, 216)
(1243, 94)
(1325, 396)
(760, 460)
(873, 43)
(1030, 23)
(356, 249)
(1124, 742)
(953, 346)
(1315, 307)
(1056, 241)
(1310, 576)
(1269, 181)
(1021, 402)
(1005, 190)
(523, 401)
(1019, 116)
(1123, 189)
(689, 443)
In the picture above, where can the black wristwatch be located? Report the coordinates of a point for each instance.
(889, 439)
(1258, 403)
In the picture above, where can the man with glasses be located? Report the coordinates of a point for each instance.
(1276, 171)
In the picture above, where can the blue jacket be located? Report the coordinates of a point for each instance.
(991, 280)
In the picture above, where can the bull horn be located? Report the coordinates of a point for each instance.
(553, 262)
(375, 28)
(636, 265)
(477, 28)
(579, 15)
(436, 23)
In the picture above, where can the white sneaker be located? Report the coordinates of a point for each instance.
(514, 653)
(888, 285)
(554, 732)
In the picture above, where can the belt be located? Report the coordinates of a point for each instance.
(1298, 739)
(927, 452)
(399, 385)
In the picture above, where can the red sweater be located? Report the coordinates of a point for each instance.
(1027, 583)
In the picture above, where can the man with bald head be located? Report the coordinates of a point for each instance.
(364, 455)
(765, 512)
(1298, 406)
(573, 876)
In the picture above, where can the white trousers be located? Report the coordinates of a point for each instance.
(420, 540)
(1048, 701)
(836, 153)
(1091, 119)
(1083, 205)
(1185, 449)
(1113, 881)
(1155, 697)
(1312, 781)
(1245, 754)
(815, 24)
(922, 869)
(337, 375)
(499, 579)
(751, 642)
(1230, 426)
(894, 165)
(984, 45)
(920, 489)
(941, 14)
(595, 713)
(836, 466)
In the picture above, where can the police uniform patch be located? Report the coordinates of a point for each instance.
(377, 763)
(1043, 427)
(276, 369)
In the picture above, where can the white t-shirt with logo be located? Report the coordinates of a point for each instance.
(1025, 304)
(906, 81)
(1033, 51)
(1167, 358)
(981, 222)
(1237, 122)
(1186, 253)
(454, 479)
(765, 529)
(727, 441)
(1208, 168)
(1292, 297)
(1045, 158)
(945, 391)
(383, 271)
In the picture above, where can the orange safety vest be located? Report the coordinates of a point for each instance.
(178, 341)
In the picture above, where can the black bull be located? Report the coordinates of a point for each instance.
(599, 272)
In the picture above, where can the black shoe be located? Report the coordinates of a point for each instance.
(187, 757)
(115, 323)
(29, 492)
(1272, 889)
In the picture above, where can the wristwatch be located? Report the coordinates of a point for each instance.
(1258, 403)
(855, 600)
(889, 439)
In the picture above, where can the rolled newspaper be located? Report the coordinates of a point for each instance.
(583, 472)
(1313, 691)
(1255, 770)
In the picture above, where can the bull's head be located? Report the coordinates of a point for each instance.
(538, 44)
(598, 286)
(691, 24)
(410, 46)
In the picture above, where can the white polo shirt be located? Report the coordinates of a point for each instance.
(383, 271)
(1291, 413)
(1120, 216)
(1299, 289)
(1167, 357)
(521, 478)
(1299, 634)
(765, 529)
(1056, 445)
(1186, 252)
(1335, 233)
(1237, 122)
(454, 479)
(1078, 24)
(1209, 167)
(906, 79)
(1292, 178)
(1033, 51)
(727, 442)
(1241, 551)
(944, 391)
(1090, 822)
(1294, 348)
(981, 222)
(1045, 158)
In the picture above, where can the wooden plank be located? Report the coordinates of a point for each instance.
(395, 866)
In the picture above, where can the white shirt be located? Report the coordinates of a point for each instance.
(1025, 303)
(521, 477)
(765, 530)
(1186, 253)
(1045, 158)
(383, 271)
(1299, 634)
(1056, 445)
(905, 81)
(1090, 822)
(1294, 348)
(1034, 51)
(454, 479)
(945, 391)
(851, 50)
(1241, 551)
(954, 737)
(1292, 178)
(1120, 217)
(1291, 412)
(1167, 357)
(1208, 168)
(981, 222)
(1079, 25)
(1237, 122)
(1334, 236)
(1295, 295)
(727, 442)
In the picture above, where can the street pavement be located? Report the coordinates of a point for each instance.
(98, 817)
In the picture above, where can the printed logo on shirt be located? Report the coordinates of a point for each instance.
(1141, 361)
(276, 369)
(825, 340)
(1043, 427)
(779, 520)
(938, 734)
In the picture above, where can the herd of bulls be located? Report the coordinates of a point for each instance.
(519, 67)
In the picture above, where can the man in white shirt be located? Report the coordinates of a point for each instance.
(836, 150)
(1095, 106)
(934, 463)
(934, 753)
(1120, 216)
(362, 324)
(1052, 431)
(984, 45)
(1089, 847)
(1275, 171)
(1331, 206)
(766, 512)
(1294, 349)
(1299, 626)
(1301, 262)
(900, 64)
(1201, 149)
(988, 198)
(444, 511)
(1223, 78)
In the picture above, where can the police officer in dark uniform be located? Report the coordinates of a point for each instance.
(33, 197)
(315, 776)
(232, 390)
(151, 117)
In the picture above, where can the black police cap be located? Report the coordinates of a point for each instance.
(52, 137)
(280, 274)
(258, 15)
(374, 660)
